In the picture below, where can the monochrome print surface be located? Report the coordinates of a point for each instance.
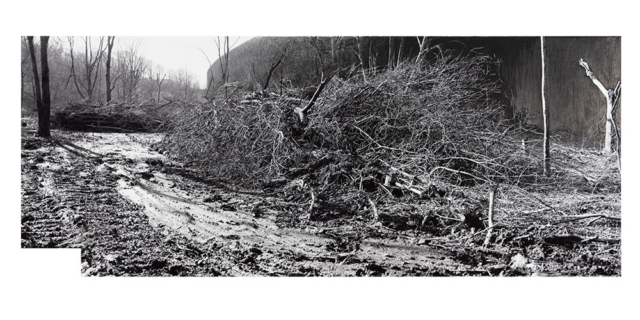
(324, 156)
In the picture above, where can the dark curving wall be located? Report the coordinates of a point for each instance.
(575, 103)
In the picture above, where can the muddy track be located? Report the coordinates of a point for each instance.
(132, 215)
(133, 212)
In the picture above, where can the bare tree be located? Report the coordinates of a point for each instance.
(423, 43)
(360, 55)
(36, 77)
(391, 52)
(43, 97)
(274, 65)
(45, 113)
(302, 112)
(612, 96)
(335, 52)
(91, 63)
(24, 68)
(400, 50)
(223, 57)
(158, 81)
(132, 66)
(110, 41)
(545, 113)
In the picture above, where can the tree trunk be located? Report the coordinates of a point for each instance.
(227, 59)
(273, 68)
(612, 100)
(108, 74)
(361, 58)
(87, 61)
(45, 112)
(159, 82)
(36, 78)
(400, 50)
(391, 53)
(545, 113)
(423, 47)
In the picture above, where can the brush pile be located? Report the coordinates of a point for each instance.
(440, 120)
(145, 117)
(415, 148)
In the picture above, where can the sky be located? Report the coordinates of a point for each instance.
(174, 53)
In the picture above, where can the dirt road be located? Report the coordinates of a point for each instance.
(134, 212)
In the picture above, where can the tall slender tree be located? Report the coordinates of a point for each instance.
(110, 41)
(545, 113)
(612, 96)
(423, 43)
(36, 77)
(43, 95)
(391, 53)
(400, 50)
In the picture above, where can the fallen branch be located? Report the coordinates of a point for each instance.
(588, 216)
(302, 112)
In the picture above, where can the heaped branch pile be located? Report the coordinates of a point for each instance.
(242, 142)
(441, 119)
(118, 117)
(435, 120)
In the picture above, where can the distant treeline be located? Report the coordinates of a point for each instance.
(307, 57)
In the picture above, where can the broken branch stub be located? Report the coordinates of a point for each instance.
(612, 98)
(302, 112)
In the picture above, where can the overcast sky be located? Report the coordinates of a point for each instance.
(172, 53)
(175, 53)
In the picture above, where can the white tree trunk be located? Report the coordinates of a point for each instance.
(545, 113)
(607, 132)
(612, 97)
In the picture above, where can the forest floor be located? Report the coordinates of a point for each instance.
(134, 212)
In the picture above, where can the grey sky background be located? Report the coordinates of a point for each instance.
(172, 53)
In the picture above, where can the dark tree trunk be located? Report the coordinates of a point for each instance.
(361, 58)
(108, 74)
(44, 113)
(273, 67)
(391, 53)
(36, 78)
(400, 50)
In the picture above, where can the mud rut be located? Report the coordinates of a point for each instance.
(134, 212)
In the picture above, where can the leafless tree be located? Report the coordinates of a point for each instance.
(545, 113)
(43, 97)
(302, 112)
(91, 63)
(400, 50)
(423, 42)
(612, 96)
(158, 81)
(132, 66)
(391, 52)
(223, 57)
(110, 42)
(24, 68)
(274, 65)
(360, 55)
